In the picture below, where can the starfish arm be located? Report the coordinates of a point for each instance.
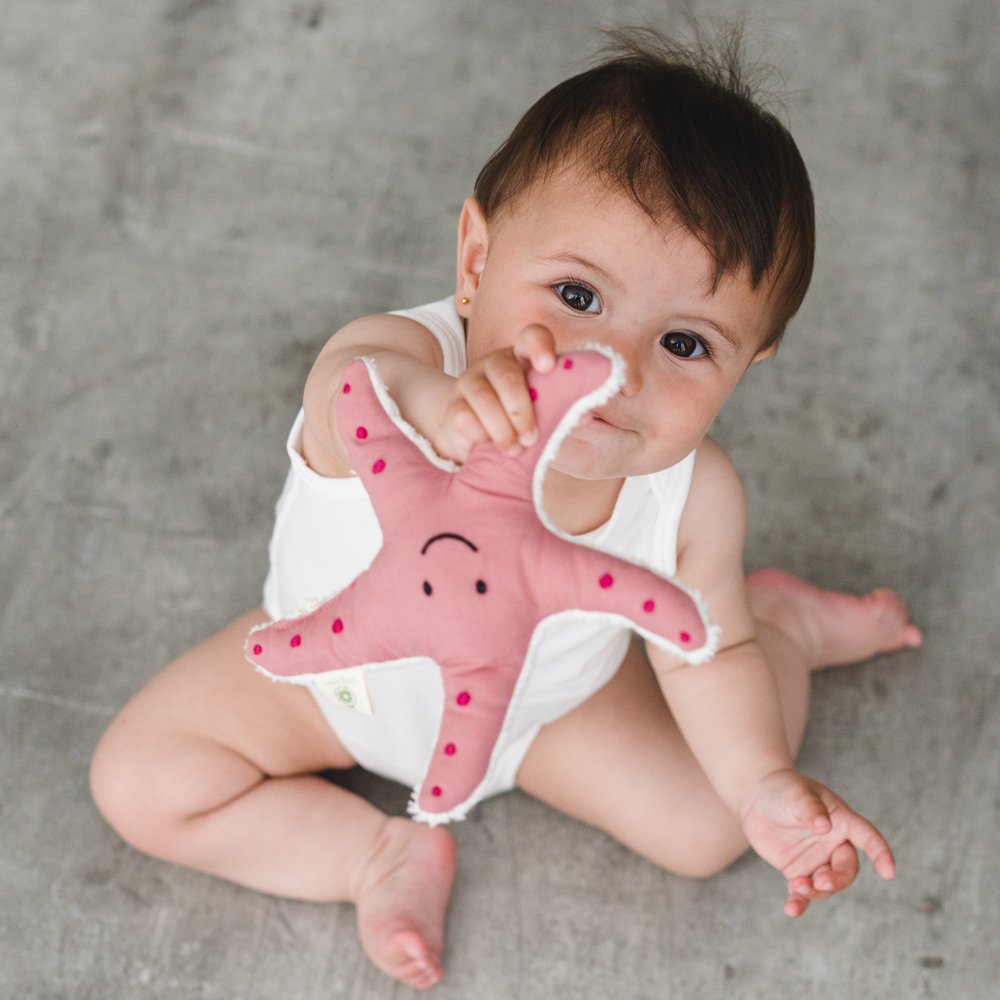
(660, 609)
(398, 467)
(340, 633)
(476, 701)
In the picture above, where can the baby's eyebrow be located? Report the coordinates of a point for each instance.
(576, 260)
(724, 332)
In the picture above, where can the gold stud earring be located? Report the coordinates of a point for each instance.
(465, 301)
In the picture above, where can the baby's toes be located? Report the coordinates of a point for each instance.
(893, 618)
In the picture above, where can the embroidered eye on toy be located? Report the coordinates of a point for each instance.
(468, 568)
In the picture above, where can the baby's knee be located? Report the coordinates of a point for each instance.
(702, 858)
(121, 776)
(112, 779)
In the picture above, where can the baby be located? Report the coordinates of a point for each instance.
(648, 204)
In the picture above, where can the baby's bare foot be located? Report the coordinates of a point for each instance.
(831, 628)
(402, 898)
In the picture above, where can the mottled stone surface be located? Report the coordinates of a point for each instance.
(194, 194)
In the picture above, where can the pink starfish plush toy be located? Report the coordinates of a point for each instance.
(469, 567)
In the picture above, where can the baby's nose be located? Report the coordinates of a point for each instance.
(633, 370)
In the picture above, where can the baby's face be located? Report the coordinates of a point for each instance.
(590, 265)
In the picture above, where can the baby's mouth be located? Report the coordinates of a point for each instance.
(594, 418)
(598, 418)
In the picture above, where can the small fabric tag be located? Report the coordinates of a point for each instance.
(347, 689)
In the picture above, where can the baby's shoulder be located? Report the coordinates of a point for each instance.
(391, 331)
(714, 472)
(715, 512)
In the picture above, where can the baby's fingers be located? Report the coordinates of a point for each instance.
(462, 430)
(811, 889)
(810, 810)
(497, 395)
(824, 882)
(867, 839)
(840, 872)
(514, 424)
(536, 347)
(796, 904)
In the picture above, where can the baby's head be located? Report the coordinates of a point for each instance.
(677, 131)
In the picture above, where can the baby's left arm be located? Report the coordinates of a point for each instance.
(729, 711)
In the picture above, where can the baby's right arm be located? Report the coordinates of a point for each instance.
(489, 401)
(407, 356)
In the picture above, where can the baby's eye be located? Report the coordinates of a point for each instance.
(683, 345)
(578, 297)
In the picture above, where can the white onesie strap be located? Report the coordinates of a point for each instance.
(443, 321)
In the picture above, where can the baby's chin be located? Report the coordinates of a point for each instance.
(594, 454)
(584, 455)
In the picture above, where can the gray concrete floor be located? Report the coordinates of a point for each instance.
(194, 194)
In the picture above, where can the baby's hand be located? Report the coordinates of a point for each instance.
(811, 836)
(491, 401)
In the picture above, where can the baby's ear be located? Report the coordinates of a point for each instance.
(765, 352)
(473, 242)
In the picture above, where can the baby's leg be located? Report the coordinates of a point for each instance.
(620, 763)
(213, 766)
(802, 628)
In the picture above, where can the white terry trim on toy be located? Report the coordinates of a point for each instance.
(591, 401)
(407, 429)
(322, 676)
(459, 812)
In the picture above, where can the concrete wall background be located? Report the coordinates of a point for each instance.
(194, 194)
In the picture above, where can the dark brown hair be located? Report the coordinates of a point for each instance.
(680, 131)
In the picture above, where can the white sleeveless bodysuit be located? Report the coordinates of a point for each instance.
(326, 533)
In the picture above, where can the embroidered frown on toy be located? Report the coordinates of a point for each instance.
(468, 568)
